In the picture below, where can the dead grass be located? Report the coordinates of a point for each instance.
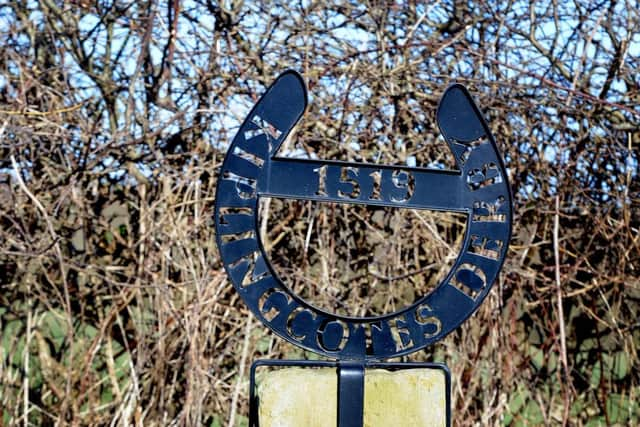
(114, 308)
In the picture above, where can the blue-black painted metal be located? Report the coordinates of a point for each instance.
(352, 368)
(350, 393)
(252, 170)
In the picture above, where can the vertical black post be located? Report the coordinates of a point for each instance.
(350, 393)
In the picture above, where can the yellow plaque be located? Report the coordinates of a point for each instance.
(307, 397)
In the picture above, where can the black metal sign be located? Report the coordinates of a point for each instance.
(479, 188)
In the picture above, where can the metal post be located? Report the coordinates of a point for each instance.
(350, 394)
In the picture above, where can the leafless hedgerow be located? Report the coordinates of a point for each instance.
(115, 115)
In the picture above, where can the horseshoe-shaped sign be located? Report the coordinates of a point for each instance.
(252, 170)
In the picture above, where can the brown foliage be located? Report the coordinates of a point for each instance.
(115, 115)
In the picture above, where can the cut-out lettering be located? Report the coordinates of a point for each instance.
(401, 334)
(250, 268)
(224, 211)
(298, 323)
(226, 238)
(255, 170)
(351, 183)
(264, 128)
(349, 186)
(250, 157)
(273, 303)
(470, 279)
(426, 317)
(245, 187)
(402, 186)
(485, 246)
(468, 149)
(489, 211)
(333, 336)
(478, 178)
(235, 220)
(376, 178)
(322, 180)
(379, 338)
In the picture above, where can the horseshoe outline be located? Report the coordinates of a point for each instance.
(478, 188)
